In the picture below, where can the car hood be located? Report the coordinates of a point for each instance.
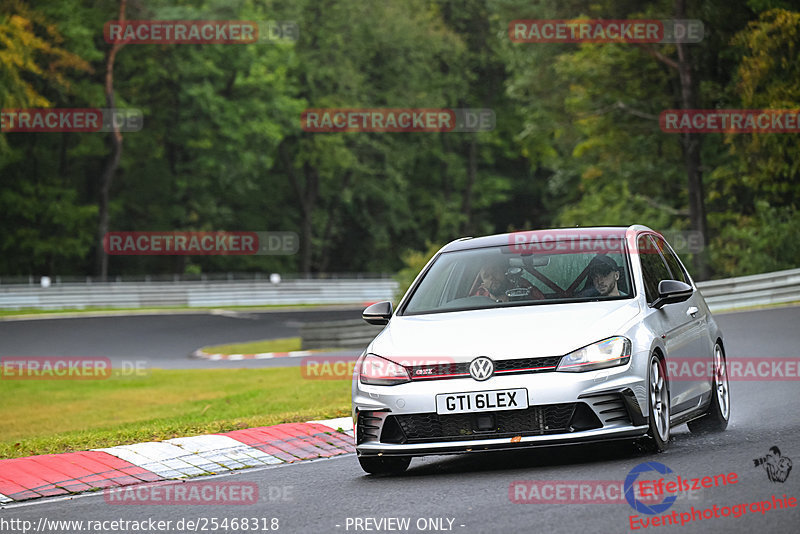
(505, 333)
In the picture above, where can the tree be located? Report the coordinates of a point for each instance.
(46, 224)
(388, 55)
(112, 163)
(759, 184)
(596, 107)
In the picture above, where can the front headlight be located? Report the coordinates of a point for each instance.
(381, 372)
(609, 352)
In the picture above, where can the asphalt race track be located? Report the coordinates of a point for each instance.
(472, 491)
(160, 341)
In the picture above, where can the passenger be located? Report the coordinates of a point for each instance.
(604, 276)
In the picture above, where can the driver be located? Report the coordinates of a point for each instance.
(493, 282)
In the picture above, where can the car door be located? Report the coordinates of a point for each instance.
(680, 330)
(696, 325)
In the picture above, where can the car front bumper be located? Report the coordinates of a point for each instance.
(563, 408)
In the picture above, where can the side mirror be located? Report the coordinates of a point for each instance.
(670, 292)
(378, 313)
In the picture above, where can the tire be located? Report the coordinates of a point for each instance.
(384, 465)
(658, 406)
(719, 411)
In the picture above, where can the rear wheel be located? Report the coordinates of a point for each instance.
(384, 465)
(657, 439)
(719, 411)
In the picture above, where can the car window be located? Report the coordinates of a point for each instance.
(654, 270)
(501, 276)
(675, 267)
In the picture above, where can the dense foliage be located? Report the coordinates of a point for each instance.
(577, 140)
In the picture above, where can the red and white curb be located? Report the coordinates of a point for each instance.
(340, 424)
(75, 472)
(260, 356)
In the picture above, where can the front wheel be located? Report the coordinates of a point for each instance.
(657, 439)
(719, 411)
(384, 465)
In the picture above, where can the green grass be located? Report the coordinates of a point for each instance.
(284, 344)
(52, 416)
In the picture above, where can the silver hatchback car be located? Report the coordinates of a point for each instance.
(539, 338)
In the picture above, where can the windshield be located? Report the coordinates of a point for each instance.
(497, 277)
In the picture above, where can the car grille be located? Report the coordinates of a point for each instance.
(533, 421)
(501, 367)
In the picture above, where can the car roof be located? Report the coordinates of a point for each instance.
(466, 243)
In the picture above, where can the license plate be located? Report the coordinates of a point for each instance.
(482, 401)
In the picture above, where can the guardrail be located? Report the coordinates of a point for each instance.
(352, 333)
(731, 293)
(196, 294)
(186, 277)
(755, 290)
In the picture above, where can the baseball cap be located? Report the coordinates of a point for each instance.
(602, 265)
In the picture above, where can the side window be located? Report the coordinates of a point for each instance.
(654, 269)
(678, 273)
